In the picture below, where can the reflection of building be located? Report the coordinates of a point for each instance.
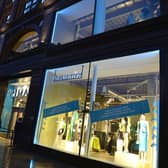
(39, 35)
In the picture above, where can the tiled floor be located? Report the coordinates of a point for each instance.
(14, 158)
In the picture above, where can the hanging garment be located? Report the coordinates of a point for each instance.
(95, 144)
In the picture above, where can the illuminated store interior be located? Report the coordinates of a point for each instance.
(106, 110)
(76, 21)
(14, 102)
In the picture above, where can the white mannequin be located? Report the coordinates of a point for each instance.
(125, 129)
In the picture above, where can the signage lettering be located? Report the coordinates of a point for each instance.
(73, 76)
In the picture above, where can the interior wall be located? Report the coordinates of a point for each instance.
(55, 95)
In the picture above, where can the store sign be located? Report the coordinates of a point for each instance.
(19, 92)
(63, 108)
(68, 76)
(120, 111)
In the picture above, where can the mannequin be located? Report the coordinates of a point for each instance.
(143, 131)
(125, 129)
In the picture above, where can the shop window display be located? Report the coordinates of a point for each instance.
(62, 106)
(67, 129)
(124, 111)
(14, 103)
(112, 116)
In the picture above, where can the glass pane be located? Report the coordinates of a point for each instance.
(73, 23)
(14, 102)
(128, 12)
(124, 105)
(60, 116)
(120, 13)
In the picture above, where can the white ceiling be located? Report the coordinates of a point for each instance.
(134, 64)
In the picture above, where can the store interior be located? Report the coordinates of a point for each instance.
(113, 82)
(61, 131)
(14, 103)
(76, 22)
(117, 140)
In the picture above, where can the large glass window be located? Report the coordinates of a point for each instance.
(129, 12)
(62, 103)
(74, 22)
(13, 102)
(117, 121)
(124, 103)
(120, 13)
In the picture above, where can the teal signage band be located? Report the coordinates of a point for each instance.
(63, 108)
(125, 110)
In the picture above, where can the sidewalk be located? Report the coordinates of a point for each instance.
(15, 158)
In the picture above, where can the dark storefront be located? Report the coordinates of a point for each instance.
(96, 84)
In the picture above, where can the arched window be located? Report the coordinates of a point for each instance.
(28, 41)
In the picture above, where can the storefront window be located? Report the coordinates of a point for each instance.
(76, 22)
(112, 116)
(124, 117)
(115, 14)
(14, 103)
(61, 111)
(73, 23)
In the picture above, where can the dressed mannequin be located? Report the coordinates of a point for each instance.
(143, 134)
(125, 129)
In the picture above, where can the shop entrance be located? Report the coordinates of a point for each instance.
(14, 94)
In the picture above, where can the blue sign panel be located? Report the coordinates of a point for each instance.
(63, 108)
(120, 111)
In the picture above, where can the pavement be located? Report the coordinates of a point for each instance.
(11, 157)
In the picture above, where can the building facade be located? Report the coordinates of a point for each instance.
(86, 79)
